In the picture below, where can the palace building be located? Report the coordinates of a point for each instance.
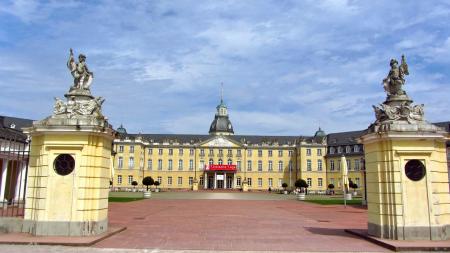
(223, 160)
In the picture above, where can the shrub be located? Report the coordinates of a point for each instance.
(300, 183)
(284, 185)
(134, 183)
(156, 183)
(148, 181)
(331, 186)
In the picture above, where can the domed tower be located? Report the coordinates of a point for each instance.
(221, 124)
(320, 135)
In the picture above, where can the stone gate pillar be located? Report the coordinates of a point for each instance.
(407, 178)
(69, 168)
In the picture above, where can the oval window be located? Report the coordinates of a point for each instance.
(64, 164)
(415, 170)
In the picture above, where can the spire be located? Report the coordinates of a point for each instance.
(221, 92)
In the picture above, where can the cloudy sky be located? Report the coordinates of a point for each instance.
(287, 66)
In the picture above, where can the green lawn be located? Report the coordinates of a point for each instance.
(334, 201)
(125, 196)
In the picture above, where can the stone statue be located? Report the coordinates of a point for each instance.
(80, 72)
(396, 78)
(59, 107)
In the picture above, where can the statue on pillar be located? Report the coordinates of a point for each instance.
(396, 78)
(82, 77)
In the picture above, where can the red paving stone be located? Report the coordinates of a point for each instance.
(237, 225)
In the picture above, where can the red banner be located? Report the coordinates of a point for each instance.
(221, 167)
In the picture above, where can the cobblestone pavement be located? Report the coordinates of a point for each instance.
(235, 221)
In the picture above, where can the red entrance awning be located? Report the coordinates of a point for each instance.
(216, 167)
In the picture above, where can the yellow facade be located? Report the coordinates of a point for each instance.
(177, 165)
(401, 208)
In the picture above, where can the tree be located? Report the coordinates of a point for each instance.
(148, 181)
(331, 186)
(134, 184)
(353, 185)
(156, 184)
(284, 185)
(300, 183)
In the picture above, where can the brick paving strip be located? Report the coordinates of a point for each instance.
(236, 222)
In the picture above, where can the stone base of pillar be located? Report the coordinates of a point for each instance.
(195, 186)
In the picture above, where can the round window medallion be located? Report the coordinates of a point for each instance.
(64, 164)
(415, 170)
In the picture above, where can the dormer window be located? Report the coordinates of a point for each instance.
(356, 148)
(348, 149)
(339, 150)
(13, 126)
(332, 150)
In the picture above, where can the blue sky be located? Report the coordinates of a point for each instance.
(287, 66)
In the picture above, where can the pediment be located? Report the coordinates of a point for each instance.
(220, 141)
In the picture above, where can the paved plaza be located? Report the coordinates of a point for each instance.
(235, 221)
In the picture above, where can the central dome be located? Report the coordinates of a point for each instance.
(221, 124)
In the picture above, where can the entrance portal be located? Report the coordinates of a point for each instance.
(219, 184)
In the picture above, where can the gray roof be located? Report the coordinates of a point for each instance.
(14, 134)
(221, 124)
(444, 124)
(249, 139)
(344, 138)
(19, 123)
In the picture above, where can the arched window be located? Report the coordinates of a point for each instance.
(230, 162)
(211, 161)
(220, 162)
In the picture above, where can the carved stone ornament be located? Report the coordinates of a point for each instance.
(398, 113)
(76, 107)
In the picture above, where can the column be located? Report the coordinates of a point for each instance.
(20, 185)
(3, 183)
(205, 181)
(215, 180)
(224, 180)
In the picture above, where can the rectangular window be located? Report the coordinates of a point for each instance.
(202, 152)
(280, 166)
(180, 164)
(211, 151)
(290, 165)
(249, 181)
(159, 180)
(180, 151)
(230, 152)
(202, 181)
(170, 151)
(319, 165)
(191, 164)
(202, 164)
(220, 152)
(191, 181)
(180, 180)
(348, 149)
(238, 165)
(121, 149)
(270, 166)
(120, 165)
(191, 152)
(150, 151)
(357, 182)
(160, 151)
(259, 165)
(349, 164)
(290, 153)
(130, 179)
(356, 148)
(270, 153)
(309, 181)
(308, 151)
(356, 164)
(280, 153)
(332, 165)
(160, 164)
(319, 151)
(238, 181)
(131, 149)
(319, 182)
(131, 162)
(259, 153)
(270, 182)
(119, 179)
(238, 152)
(149, 164)
(280, 182)
(249, 165)
(169, 180)
(259, 182)
(170, 164)
(249, 152)
(308, 165)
